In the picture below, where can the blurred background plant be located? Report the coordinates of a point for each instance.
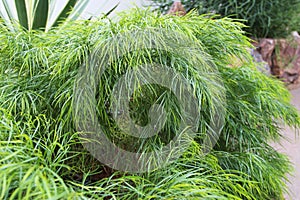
(274, 18)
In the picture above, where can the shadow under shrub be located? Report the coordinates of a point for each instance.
(40, 150)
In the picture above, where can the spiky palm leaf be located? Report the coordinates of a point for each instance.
(35, 14)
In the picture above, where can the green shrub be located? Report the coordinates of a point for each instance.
(40, 151)
(264, 18)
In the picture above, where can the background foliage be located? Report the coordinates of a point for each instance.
(273, 18)
(40, 151)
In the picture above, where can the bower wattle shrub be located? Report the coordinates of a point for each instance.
(41, 155)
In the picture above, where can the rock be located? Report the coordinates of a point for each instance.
(177, 9)
(296, 36)
(283, 57)
(261, 65)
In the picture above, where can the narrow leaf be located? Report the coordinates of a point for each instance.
(78, 9)
(40, 14)
(65, 12)
(111, 10)
(8, 10)
(22, 13)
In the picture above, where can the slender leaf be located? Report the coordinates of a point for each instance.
(40, 13)
(111, 10)
(22, 13)
(78, 9)
(8, 10)
(65, 12)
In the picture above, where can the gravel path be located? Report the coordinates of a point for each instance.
(291, 147)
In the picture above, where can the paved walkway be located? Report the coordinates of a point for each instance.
(292, 149)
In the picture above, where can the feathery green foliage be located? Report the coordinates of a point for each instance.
(40, 151)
